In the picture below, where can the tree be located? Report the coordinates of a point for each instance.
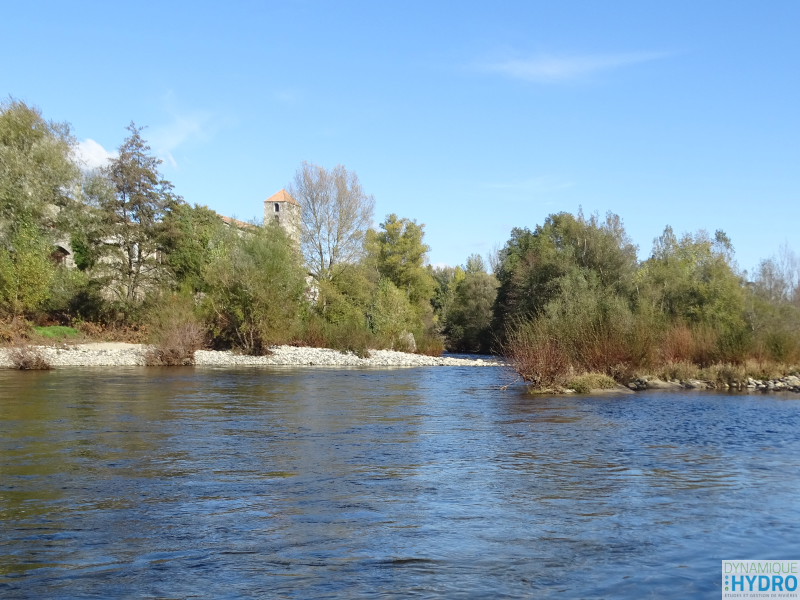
(132, 202)
(399, 254)
(336, 214)
(693, 279)
(446, 282)
(37, 173)
(468, 326)
(25, 270)
(255, 288)
(535, 263)
(190, 235)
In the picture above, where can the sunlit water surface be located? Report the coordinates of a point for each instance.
(315, 483)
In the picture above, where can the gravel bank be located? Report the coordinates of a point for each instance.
(96, 355)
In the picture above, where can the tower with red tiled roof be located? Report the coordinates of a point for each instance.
(285, 210)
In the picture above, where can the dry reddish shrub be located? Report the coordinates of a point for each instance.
(176, 346)
(90, 330)
(704, 346)
(537, 357)
(174, 332)
(677, 346)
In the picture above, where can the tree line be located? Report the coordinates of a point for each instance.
(566, 298)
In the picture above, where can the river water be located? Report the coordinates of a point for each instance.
(428, 483)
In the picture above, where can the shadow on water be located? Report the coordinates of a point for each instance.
(304, 483)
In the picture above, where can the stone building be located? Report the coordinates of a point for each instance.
(286, 211)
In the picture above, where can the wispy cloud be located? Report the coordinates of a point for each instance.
(559, 69)
(92, 155)
(184, 127)
(534, 185)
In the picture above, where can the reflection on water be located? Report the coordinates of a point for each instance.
(410, 482)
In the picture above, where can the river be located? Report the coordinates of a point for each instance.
(368, 483)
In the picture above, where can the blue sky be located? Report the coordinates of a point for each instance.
(471, 117)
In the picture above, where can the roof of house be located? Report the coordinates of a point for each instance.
(282, 196)
(235, 222)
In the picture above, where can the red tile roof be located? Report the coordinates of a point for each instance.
(282, 196)
(236, 222)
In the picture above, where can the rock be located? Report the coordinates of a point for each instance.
(656, 384)
(694, 384)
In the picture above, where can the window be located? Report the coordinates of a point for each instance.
(277, 218)
(277, 207)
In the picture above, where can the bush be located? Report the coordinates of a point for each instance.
(392, 313)
(349, 337)
(430, 345)
(175, 333)
(537, 356)
(584, 384)
(681, 371)
(725, 374)
(27, 358)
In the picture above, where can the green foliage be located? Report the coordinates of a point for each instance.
(255, 289)
(584, 384)
(36, 170)
(130, 201)
(468, 325)
(392, 313)
(25, 270)
(348, 298)
(68, 291)
(535, 263)
(691, 279)
(446, 280)
(399, 254)
(190, 236)
(56, 331)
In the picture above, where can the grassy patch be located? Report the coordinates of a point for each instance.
(584, 384)
(56, 331)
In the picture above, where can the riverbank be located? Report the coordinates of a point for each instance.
(121, 354)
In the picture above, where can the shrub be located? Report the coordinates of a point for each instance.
(349, 337)
(587, 382)
(537, 356)
(392, 313)
(175, 333)
(430, 345)
(726, 374)
(27, 358)
(680, 370)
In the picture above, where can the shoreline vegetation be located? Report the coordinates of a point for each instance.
(114, 254)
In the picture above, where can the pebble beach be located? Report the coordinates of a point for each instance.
(120, 354)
